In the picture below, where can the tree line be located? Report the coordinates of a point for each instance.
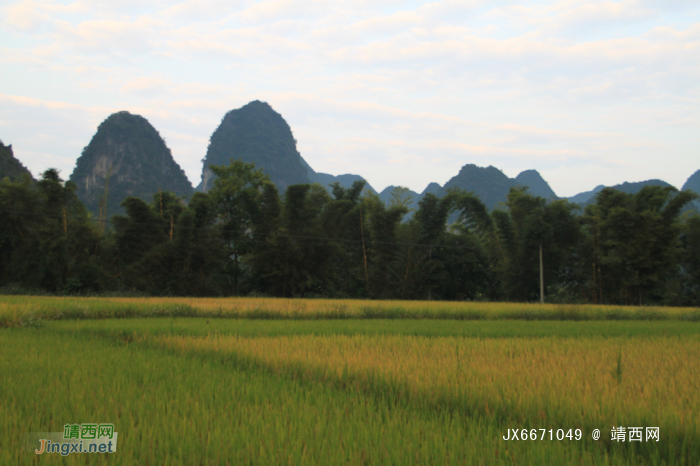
(244, 238)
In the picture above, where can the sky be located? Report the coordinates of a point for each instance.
(400, 92)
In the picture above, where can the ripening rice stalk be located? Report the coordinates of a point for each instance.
(13, 308)
(544, 382)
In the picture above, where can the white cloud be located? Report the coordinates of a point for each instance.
(31, 16)
(146, 86)
(108, 36)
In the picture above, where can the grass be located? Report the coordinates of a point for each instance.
(183, 387)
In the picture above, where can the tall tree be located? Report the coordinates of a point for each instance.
(379, 227)
(689, 261)
(298, 258)
(426, 230)
(47, 239)
(345, 223)
(237, 195)
(635, 238)
(527, 224)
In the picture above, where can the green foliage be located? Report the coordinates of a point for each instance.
(298, 258)
(237, 196)
(685, 290)
(633, 242)
(510, 240)
(166, 248)
(379, 226)
(46, 240)
(244, 238)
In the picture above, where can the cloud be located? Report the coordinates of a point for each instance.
(201, 10)
(125, 38)
(146, 86)
(389, 24)
(32, 16)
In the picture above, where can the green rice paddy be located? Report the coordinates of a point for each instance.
(208, 390)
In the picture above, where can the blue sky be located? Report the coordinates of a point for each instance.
(402, 93)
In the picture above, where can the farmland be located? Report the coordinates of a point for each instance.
(263, 381)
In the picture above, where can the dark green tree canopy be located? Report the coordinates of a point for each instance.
(243, 238)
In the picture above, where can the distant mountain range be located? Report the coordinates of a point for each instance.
(128, 151)
(629, 188)
(324, 179)
(490, 184)
(693, 184)
(587, 196)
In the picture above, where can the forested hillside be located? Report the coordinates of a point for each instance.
(243, 237)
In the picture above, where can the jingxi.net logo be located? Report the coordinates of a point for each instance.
(76, 439)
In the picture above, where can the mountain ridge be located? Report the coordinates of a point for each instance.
(256, 133)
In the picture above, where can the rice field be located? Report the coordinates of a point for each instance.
(27, 311)
(205, 382)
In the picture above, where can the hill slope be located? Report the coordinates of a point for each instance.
(536, 184)
(255, 133)
(693, 183)
(584, 197)
(139, 161)
(10, 167)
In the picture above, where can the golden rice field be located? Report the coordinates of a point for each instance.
(535, 382)
(268, 381)
(14, 310)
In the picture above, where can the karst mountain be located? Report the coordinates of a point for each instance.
(126, 157)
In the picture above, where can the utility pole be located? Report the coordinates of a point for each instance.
(541, 277)
(364, 251)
